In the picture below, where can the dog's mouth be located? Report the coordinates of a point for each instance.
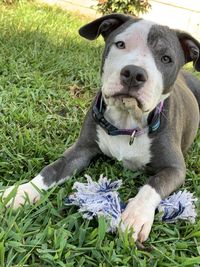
(139, 103)
(129, 98)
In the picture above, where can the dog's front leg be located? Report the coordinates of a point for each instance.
(139, 213)
(75, 159)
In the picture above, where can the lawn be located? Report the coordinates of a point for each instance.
(48, 76)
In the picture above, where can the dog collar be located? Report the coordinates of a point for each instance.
(99, 109)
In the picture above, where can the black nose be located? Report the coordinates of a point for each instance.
(133, 76)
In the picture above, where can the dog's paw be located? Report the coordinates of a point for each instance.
(139, 213)
(138, 216)
(24, 193)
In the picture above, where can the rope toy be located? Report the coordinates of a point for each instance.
(95, 199)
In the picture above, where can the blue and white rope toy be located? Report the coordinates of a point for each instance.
(101, 198)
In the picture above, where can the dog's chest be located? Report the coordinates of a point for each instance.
(134, 156)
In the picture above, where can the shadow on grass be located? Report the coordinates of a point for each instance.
(46, 84)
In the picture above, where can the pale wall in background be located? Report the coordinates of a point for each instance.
(178, 14)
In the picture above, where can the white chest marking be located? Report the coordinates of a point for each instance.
(133, 156)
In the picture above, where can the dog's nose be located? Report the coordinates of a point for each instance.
(133, 76)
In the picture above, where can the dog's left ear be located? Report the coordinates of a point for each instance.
(191, 48)
(104, 26)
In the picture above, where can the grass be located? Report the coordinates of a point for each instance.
(46, 85)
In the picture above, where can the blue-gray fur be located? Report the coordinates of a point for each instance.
(180, 115)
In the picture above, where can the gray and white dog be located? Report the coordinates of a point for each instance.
(145, 115)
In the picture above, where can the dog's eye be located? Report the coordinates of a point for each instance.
(166, 59)
(120, 44)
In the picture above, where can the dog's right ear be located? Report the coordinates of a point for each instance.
(191, 48)
(104, 26)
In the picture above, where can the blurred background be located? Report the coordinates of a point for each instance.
(184, 14)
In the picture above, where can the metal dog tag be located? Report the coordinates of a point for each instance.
(132, 138)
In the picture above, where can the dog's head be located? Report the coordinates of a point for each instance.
(141, 59)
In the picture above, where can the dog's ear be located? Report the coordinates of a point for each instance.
(104, 26)
(191, 48)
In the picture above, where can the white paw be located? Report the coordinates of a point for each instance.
(25, 193)
(139, 213)
(138, 216)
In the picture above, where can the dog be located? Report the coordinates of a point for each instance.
(146, 114)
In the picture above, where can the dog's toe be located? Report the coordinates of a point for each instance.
(145, 231)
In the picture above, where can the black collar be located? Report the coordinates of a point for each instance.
(99, 108)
